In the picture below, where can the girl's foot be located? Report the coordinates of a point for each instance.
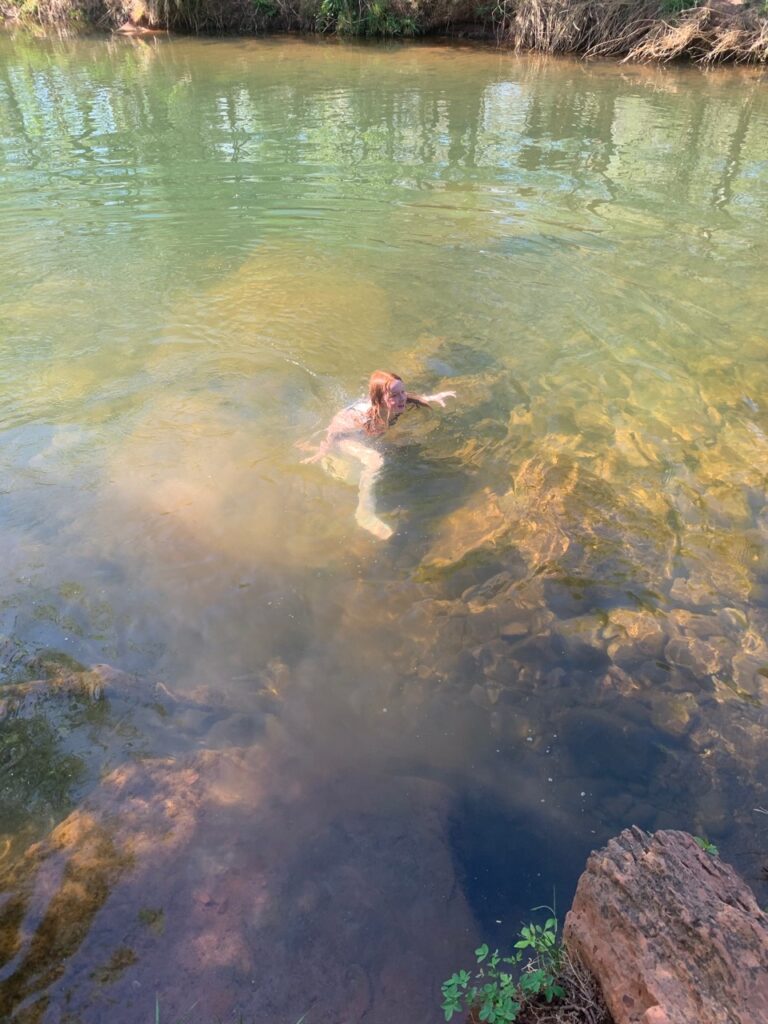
(373, 524)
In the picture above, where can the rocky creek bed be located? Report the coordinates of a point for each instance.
(208, 874)
(590, 612)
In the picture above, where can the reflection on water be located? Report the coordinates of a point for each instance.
(316, 756)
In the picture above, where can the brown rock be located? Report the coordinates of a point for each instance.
(673, 712)
(749, 674)
(654, 1015)
(479, 523)
(514, 630)
(639, 636)
(697, 656)
(671, 933)
(694, 592)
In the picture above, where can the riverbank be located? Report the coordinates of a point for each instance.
(647, 30)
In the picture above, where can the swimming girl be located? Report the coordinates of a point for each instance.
(347, 431)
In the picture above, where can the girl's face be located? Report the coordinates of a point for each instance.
(395, 397)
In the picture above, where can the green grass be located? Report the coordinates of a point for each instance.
(672, 7)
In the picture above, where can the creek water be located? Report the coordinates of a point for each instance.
(397, 749)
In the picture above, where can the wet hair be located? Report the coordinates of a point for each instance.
(379, 386)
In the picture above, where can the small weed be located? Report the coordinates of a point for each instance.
(50, 663)
(706, 846)
(154, 918)
(494, 994)
(122, 958)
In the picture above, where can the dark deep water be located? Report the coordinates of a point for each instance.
(311, 771)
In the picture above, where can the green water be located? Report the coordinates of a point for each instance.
(206, 248)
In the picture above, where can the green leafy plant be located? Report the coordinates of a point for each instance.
(672, 7)
(266, 9)
(706, 846)
(381, 20)
(370, 18)
(335, 16)
(501, 985)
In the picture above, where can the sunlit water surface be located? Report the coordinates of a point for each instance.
(364, 757)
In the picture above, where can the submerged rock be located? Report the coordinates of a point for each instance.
(673, 713)
(478, 524)
(60, 735)
(235, 884)
(750, 674)
(639, 635)
(671, 933)
(699, 657)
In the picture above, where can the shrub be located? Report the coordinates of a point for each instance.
(495, 994)
(371, 18)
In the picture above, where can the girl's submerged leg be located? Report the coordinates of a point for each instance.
(371, 462)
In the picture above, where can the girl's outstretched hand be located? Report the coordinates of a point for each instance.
(318, 451)
(441, 396)
(314, 458)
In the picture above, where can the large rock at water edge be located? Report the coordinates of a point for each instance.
(671, 933)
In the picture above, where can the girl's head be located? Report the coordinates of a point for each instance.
(388, 398)
(387, 391)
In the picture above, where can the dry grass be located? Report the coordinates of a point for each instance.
(589, 27)
(583, 1002)
(81, 12)
(707, 37)
(633, 29)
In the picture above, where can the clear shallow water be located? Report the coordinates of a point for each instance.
(207, 246)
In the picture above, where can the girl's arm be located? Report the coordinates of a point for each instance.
(321, 451)
(427, 400)
(346, 422)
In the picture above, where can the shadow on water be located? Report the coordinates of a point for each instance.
(511, 862)
(454, 358)
(420, 490)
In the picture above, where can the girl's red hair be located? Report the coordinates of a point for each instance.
(379, 386)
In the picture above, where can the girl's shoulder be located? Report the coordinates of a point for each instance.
(361, 405)
(351, 417)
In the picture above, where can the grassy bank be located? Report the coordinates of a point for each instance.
(640, 30)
